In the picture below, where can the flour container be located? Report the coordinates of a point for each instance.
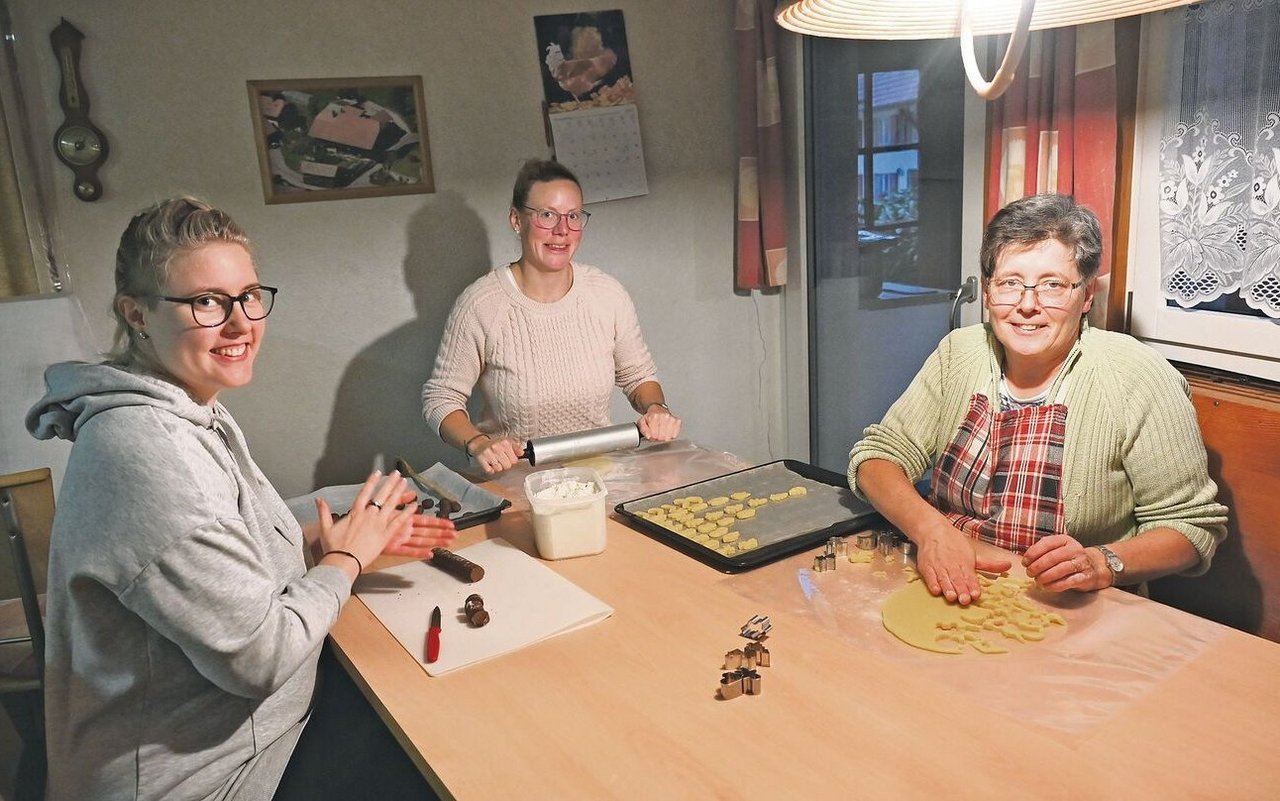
(568, 511)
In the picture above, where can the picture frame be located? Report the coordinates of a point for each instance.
(340, 138)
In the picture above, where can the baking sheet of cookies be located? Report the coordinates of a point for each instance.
(751, 517)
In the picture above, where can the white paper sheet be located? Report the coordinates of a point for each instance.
(527, 602)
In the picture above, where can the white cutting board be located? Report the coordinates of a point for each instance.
(526, 600)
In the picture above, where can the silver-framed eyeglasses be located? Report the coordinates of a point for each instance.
(210, 309)
(1049, 291)
(550, 218)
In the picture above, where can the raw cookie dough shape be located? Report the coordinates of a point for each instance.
(930, 623)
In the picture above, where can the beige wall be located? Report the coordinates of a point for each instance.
(366, 284)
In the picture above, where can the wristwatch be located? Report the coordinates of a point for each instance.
(1114, 563)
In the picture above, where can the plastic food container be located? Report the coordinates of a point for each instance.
(568, 517)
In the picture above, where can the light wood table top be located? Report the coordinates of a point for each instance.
(627, 708)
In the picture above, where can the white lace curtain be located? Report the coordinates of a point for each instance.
(1220, 160)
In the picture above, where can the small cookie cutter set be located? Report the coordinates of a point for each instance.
(740, 676)
(886, 541)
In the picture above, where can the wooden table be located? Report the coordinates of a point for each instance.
(627, 708)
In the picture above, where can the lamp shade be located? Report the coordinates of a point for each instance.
(940, 19)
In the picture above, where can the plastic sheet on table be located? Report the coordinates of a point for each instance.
(653, 467)
(1116, 646)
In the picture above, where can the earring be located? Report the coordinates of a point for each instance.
(143, 335)
(516, 231)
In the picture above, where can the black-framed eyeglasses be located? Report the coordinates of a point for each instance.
(550, 218)
(210, 309)
(1049, 292)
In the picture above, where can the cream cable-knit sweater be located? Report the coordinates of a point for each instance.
(1134, 459)
(542, 368)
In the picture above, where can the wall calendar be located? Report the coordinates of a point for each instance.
(602, 146)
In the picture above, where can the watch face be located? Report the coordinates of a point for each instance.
(79, 145)
(1113, 562)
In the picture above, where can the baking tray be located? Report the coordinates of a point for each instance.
(827, 509)
(479, 505)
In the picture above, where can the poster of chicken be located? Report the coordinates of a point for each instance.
(585, 63)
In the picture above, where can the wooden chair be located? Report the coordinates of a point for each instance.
(1241, 429)
(26, 504)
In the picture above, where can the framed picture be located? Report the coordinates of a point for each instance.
(337, 138)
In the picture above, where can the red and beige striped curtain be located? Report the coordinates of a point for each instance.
(1055, 129)
(761, 235)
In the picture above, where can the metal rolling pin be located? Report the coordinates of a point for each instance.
(582, 443)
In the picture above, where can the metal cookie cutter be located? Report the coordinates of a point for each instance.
(756, 655)
(886, 542)
(824, 562)
(757, 628)
(751, 684)
(733, 659)
(730, 685)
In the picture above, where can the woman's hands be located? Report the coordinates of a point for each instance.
(497, 455)
(658, 424)
(375, 526)
(948, 563)
(1059, 562)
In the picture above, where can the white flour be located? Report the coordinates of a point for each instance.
(567, 489)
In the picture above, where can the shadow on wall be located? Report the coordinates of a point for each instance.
(377, 413)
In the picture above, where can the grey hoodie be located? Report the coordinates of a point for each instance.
(183, 625)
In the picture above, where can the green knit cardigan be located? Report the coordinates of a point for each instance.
(1134, 459)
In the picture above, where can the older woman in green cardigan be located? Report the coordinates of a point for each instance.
(1074, 447)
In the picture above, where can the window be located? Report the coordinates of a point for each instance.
(1206, 220)
(887, 152)
(885, 135)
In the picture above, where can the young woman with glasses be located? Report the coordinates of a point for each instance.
(544, 338)
(1074, 447)
(184, 625)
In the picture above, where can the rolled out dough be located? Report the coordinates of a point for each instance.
(931, 623)
(601, 464)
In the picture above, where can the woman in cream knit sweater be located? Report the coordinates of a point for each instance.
(1076, 448)
(544, 338)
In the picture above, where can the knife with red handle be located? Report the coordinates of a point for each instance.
(433, 637)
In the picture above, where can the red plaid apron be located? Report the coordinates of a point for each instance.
(1000, 479)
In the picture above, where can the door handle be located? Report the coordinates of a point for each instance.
(966, 293)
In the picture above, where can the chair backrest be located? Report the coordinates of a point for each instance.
(26, 509)
(31, 492)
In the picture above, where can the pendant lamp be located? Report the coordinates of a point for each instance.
(942, 19)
